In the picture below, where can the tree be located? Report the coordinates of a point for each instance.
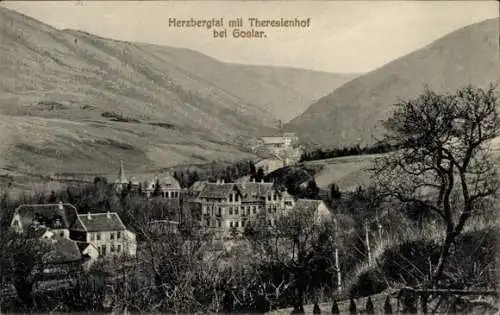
(157, 190)
(444, 163)
(335, 192)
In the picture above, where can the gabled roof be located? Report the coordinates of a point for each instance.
(198, 185)
(214, 190)
(100, 222)
(63, 251)
(255, 191)
(166, 181)
(53, 216)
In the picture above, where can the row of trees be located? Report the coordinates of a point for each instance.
(321, 154)
(216, 171)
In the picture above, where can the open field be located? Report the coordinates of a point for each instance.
(351, 171)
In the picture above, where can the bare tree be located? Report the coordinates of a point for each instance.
(444, 162)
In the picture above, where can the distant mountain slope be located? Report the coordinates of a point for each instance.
(351, 114)
(288, 92)
(72, 98)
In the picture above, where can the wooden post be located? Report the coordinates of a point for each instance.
(367, 239)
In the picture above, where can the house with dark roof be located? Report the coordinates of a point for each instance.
(106, 232)
(62, 261)
(44, 220)
(227, 207)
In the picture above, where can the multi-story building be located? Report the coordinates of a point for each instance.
(165, 185)
(228, 207)
(106, 232)
(44, 220)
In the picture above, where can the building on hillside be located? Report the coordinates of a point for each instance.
(168, 188)
(285, 140)
(228, 207)
(44, 220)
(106, 232)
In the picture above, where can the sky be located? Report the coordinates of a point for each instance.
(343, 36)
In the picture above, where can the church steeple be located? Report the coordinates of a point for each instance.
(121, 176)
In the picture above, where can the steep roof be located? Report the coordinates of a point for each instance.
(53, 216)
(122, 179)
(100, 222)
(198, 185)
(63, 251)
(169, 182)
(214, 190)
(255, 191)
(166, 181)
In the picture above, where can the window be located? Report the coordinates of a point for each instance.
(98, 236)
(269, 197)
(208, 222)
(230, 223)
(61, 234)
(236, 210)
(118, 235)
(118, 248)
(112, 248)
(219, 223)
(254, 209)
(230, 210)
(237, 224)
(112, 236)
(220, 211)
(236, 197)
(231, 198)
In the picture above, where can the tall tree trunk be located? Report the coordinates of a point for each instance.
(445, 250)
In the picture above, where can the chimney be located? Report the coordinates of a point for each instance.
(108, 215)
(262, 180)
(61, 205)
(89, 217)
(222, 181)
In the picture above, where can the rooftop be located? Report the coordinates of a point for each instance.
(63, 251)
(100, 222)
(53, 216)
